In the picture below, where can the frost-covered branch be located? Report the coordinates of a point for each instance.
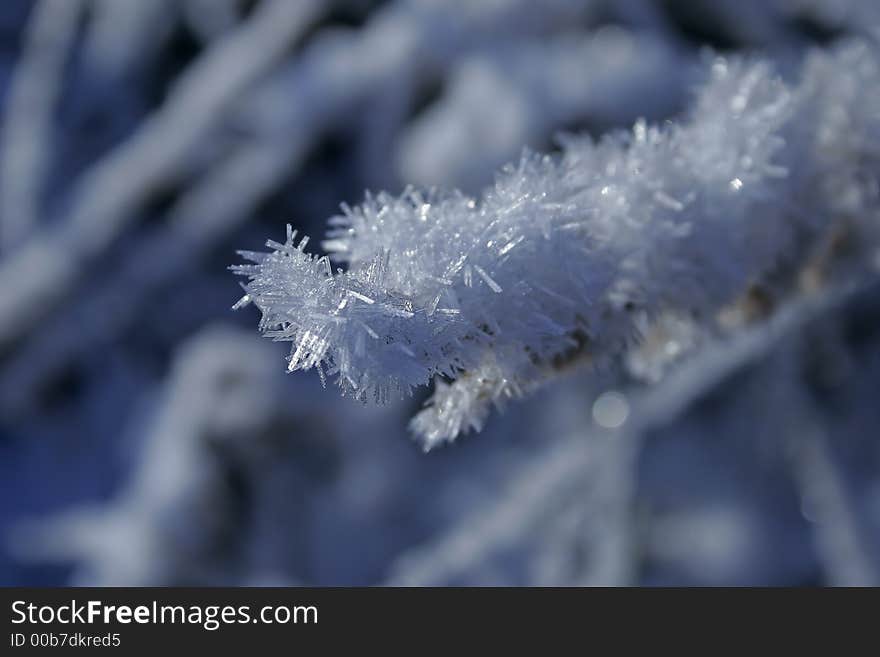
(307, 99)
(559, 259)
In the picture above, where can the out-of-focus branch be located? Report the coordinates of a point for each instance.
(590, 477)
(210, 19)
(37, 276)
(27, 124)
(220, 388)
(122, 35)
(844, 553)
(505, 99)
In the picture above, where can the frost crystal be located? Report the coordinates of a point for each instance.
(564, 257)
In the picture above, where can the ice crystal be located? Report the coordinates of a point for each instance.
(564, 256)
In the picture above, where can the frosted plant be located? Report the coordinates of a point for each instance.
(565, 257)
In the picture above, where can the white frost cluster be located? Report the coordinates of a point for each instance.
(564, 257)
